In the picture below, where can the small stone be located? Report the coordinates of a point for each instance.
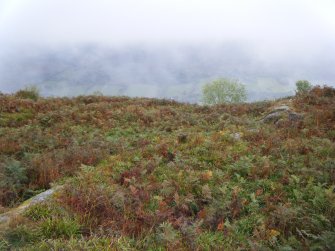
(4, 218)
(182, 138)
(237, 136)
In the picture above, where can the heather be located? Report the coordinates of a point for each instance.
(150, 174)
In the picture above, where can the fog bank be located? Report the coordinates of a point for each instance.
(165, 48)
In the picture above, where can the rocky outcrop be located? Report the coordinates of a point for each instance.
(282, 115)
(293, 116)
(6, 217)
(272, 117)
(281, 108)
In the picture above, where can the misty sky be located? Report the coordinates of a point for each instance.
(292, 24)
(293, 36)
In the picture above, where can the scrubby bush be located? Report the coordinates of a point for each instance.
(13, 176)
(29, 92)
(223, 90)
(303, 86)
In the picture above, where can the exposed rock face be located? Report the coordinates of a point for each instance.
(273, 117)
(293, 116)
(281, 114)
(281, 108)
(5, 217)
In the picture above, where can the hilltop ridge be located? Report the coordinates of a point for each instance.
(150, 174)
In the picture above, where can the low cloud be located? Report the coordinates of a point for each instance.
(126, 47)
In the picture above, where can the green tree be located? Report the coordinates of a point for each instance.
(223, 90)
(303, 86)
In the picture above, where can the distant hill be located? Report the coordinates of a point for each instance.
(176, 72)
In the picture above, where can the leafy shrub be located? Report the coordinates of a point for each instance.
(303, 86)
(223, 90)
(30, 92)
(13, 176)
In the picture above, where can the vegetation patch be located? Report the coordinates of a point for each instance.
(147, 174)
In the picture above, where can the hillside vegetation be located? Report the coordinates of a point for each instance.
(149, 174)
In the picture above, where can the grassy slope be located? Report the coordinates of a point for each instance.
(143, 174)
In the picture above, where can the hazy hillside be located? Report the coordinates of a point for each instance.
(176, 72)
(150, 174)
(167, 125)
